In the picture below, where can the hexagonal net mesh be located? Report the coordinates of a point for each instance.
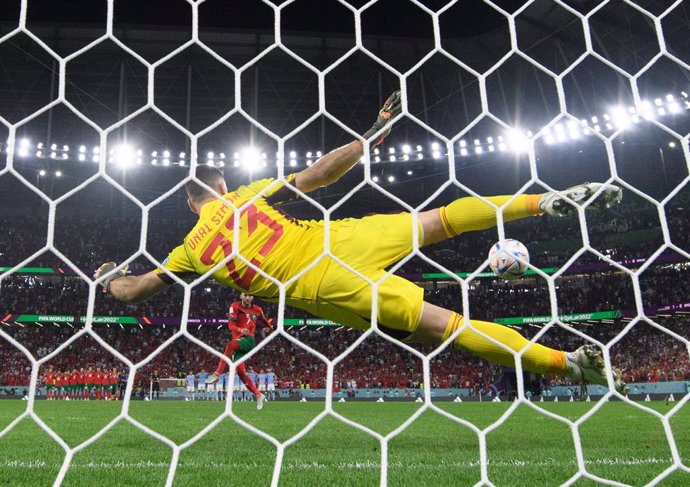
(453, 150)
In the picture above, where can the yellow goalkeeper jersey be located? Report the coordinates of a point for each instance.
(273, 242)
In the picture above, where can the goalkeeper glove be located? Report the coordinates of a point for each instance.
(390, 110)
(105, 269)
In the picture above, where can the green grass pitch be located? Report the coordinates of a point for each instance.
(620, 443)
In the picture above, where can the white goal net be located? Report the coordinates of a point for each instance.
(561, 116)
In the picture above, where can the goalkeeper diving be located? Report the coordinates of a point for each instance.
(281, 246)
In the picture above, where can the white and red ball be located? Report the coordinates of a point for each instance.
(508, 259)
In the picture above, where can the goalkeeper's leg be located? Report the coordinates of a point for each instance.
(468, 214)
(438, 325)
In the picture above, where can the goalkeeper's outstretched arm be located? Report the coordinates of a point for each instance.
(333, 165)
(130, 289)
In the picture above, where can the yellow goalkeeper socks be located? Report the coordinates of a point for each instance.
(537, 358)
(467, 214)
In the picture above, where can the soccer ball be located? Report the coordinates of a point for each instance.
(503, 259)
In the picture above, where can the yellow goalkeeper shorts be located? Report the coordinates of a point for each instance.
(369, 245)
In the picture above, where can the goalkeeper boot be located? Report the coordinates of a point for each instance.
(211, 378)
(260, 399)
(588, 365)
(560, 204)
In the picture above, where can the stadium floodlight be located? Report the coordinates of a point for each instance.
(24, 146)
(517, 141)
(210, 156)
(391, 179)
(182, 155)
(53, 155)
(463, 143)
(409, 173)
(293, 162)
(293, 154)
(436, 154)
(391, 150)
(463, 151)
(309, 155)
(478, 149)
(620, 117)
(65, 148)
(377, 159)
(310, 162)
(420, 156)
(502, 146)
(53, 147)
(491, 148)
(166, 153)
(406, 149)
(96, 150)
(376, 151)
(674, 107)
(42, 172)
(166, 161)
(391, 158)
(250, 158)
(64, 156)
(124, 155)
(672, 144)
(490, 140)
(658, 102)
(318, 153)
(222, 155)
(375, 179)
(435, 146)
(58, 174)
(82, 157)
(40, 145)
(419, 148)
(82, 149)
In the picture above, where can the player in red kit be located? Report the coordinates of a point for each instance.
(49, 380)
(81, 376)
(242, 323)
(98, 382)
(112, 385)
(73, 379)
(88, 383)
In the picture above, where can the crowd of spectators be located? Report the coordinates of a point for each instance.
(645, 353)
(660, 285)
(632, 230)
